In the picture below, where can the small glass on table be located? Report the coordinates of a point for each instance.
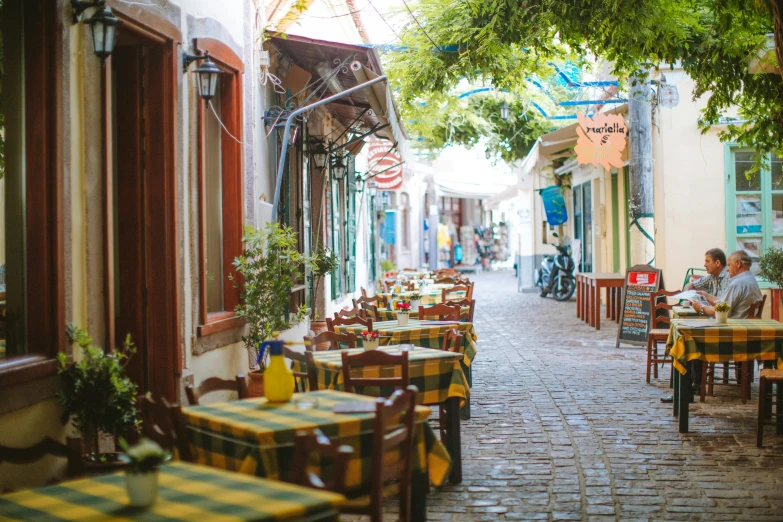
(406, 347)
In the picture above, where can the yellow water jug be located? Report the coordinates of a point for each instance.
(278, 378)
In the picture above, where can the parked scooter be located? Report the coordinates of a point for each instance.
(556, 275)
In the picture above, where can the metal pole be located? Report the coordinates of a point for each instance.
(287, 132)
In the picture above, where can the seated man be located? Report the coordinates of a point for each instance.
(741, 292)
(717, 278)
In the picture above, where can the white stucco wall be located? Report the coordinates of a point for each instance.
(689, 186)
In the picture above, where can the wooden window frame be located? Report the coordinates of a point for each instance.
(45, 292)
(232, 184)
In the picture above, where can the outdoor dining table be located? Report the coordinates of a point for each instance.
(741, 340)
(437, 374)
(256, 437)
(588, 296)
(427, 334)
(185, 492)
(385, 314)
(429, 297)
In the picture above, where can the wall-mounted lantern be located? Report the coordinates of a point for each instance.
(319, 153)
(339, 167)
(206, 74)
(505, 111)
(103, 26)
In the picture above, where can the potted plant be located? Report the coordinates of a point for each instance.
(97, 395)
(269, 267)
(323, 262)
(771, 266)
(141, 475)
(415, 299)
(403, 313)
(369, 340)
(722, 312)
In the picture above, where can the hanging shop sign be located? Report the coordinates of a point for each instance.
(601, 140)
(554, 205)
(380, 159)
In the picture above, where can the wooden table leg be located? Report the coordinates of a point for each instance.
(419, 486)
(578, 302)
(684, 400)
(590, 303)
(597, 305)
(676, 393)
(608, 307)
(454, 439)
(779, 408)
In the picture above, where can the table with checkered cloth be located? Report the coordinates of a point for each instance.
(740, 340)
(436, 374)
(256, 437)
(385, 314)
(185, 492)
(427, 298)
(427, 334)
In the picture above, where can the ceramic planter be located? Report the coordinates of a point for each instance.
(255, 385)
(402, 318)
(370, 345)
(142, 488)
(415, 303)
(721, 317)
(319, 327)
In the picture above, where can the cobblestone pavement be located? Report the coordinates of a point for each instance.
(564, 427)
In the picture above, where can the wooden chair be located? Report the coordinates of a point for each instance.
(767, 379)
(377, 300)
(757, 308)
(464, 303)
(71, 450)
(442, 311)
(213, 384)
(316, 443)
(446, 280)
(371, 311)
(468, 289)
(300, 378)
(364, 293)
(333, 338)
(659, 329)
(348, 321)
(452, 341)
(352, 312)
(163, 423)
(375, 358)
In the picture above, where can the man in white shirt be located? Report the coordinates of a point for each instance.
(742, 291)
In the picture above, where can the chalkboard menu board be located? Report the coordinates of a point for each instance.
(640, 282)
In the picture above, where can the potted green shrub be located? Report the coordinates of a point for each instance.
(324, 262)
(97, 395)
(771, 266)
(722, 310)
(269, 266)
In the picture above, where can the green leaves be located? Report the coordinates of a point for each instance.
(502, 42)
(269, 266)
(771, 265)
(95, 391)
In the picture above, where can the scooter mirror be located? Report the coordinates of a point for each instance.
(554, 234)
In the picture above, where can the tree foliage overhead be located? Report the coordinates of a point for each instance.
(504, 41)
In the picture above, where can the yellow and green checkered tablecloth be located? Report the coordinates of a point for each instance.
(256, 437)
(436, 374)
(739, 340)
(427, 334)
(385, 314)
(427, 298)
(185, 492)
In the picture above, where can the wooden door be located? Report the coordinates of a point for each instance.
(142, 220)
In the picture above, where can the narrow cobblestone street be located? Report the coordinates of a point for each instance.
(564, 427)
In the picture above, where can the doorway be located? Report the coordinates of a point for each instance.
(583, 224)
(140, 209)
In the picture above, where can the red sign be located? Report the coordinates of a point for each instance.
(379, 159)
(642, 278)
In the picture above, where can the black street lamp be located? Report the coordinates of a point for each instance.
(338, 167)
(505, 110)
(320, 154)
(206, 74)
(103, 25)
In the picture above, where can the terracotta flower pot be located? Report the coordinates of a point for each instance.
(255, 385)
(319, 327)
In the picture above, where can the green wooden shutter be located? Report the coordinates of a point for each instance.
(350, 229)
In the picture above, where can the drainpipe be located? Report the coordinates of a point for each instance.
(287, 132)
